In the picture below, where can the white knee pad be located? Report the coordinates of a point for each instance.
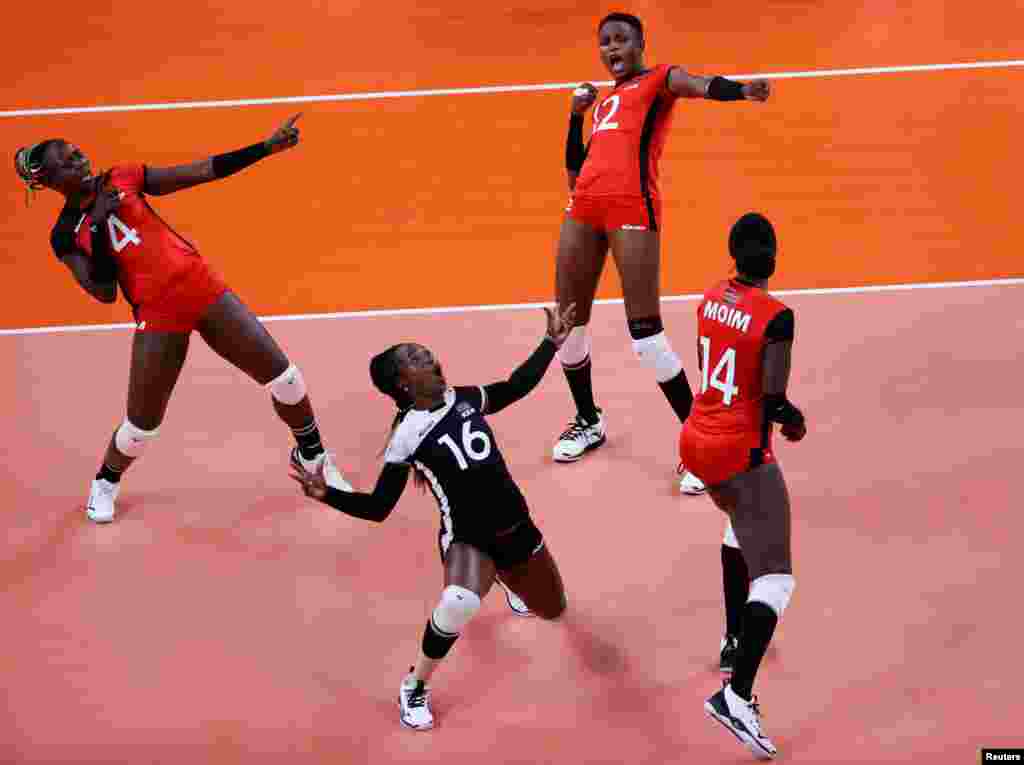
(730, 540)
(774, 590)
(576, 348)
(131, 441)
(289, 387)
(656, 353)
(457, 606)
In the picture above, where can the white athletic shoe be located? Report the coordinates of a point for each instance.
(742, 719)
(515, 602)
(580, 438)
(414, 704)
(690, 484)
(332, 475)
(102, 496)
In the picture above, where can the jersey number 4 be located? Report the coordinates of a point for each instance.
(475, 444)
(723, 378)
(120, 235)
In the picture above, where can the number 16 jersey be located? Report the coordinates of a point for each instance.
(453, 447)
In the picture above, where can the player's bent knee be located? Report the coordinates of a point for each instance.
(455, 609)
(576, 348)
(774, 590)
(655, 352)
(131, 440)
(289, 387)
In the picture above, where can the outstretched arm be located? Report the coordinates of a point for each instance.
(685, 85)
(167, 180)
(374, 507)
(526, 376)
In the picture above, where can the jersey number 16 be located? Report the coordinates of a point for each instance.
(723, 377)
(475, 444)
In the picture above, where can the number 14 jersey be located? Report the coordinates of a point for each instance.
(735, 321)
(453, 447)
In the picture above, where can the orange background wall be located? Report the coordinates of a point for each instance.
(457, 200)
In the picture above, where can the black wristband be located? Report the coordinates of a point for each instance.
(777, 408)
(233, 161)
(575, 152)
(102, 266)
(721, 89)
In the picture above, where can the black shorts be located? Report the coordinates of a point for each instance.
(507, 549)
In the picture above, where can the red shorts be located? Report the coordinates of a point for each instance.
(634, 213)
(185, 302)
(717, 458)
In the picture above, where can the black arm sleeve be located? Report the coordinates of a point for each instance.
(522, 380)
(233, 161)
(62, 235)
(782, 327)
(777, 408)
(372, 507)
(102, 266)
(575, 152)
(721, 89)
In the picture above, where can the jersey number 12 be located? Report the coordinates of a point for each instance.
(723, 378)
(475, 443)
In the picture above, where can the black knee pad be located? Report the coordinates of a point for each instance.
(649, 326)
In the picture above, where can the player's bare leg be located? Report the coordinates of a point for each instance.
(157, 359)
(757, 502)
(539, 583)
(638, 259)
(582, 251)
(468, 576)
(235, 334)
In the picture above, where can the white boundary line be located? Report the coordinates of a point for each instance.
(391, 312)
(382, 94)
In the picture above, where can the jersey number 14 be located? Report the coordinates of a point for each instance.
(723, 378)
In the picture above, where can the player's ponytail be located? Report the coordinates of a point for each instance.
(753, 246)
(28, 164)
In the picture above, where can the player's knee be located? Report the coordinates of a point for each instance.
(576, 348)
(774, 590)
(652, 348)
(456, 608)
(131, 440)
(729, 538)
(289, 387)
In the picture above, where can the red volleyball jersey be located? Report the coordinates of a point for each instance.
(149, 254)
(630, 125)
(732, 320)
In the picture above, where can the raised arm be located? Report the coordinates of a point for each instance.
(167, 180)
(375, 507)
(777, 363)
(575, 150)
(685, 85)
(528, 374)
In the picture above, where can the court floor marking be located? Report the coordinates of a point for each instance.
(390, 312)
(382, 94)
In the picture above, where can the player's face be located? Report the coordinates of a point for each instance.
(619, 44)
(421, 373)
(65, 168)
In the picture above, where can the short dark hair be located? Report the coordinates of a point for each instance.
(753, 246)
(626, 18)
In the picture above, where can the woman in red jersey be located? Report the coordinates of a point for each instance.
(744, 344)
(616, 204)
(108, 235)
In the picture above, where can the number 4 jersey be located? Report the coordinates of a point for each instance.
(150, 256)
(735, 321)
(453, 447)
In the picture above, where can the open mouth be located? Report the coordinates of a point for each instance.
(616, 64)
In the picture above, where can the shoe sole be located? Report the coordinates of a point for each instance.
(748, 741)
(100, 519)
(578, 457)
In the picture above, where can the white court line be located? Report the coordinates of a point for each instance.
(381, 94)
(390, 312)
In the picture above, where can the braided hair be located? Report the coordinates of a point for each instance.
(753, 246)
(28, 163)
(385, 368)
